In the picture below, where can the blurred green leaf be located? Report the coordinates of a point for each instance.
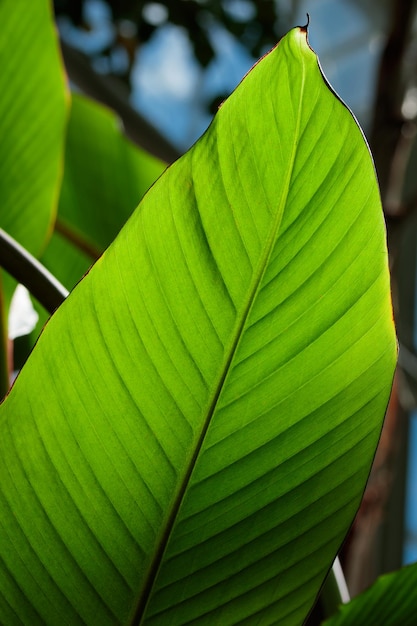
(190, 438)
(104, 179)
(33, 108)
(391, 601)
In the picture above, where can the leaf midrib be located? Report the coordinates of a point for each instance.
(140, 611)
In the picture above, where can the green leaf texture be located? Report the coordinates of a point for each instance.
(391, 601)
(191, 436)
(104, 179)
(33, 107)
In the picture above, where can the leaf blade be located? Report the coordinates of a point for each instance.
(213, 291)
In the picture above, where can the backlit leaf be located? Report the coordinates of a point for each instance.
(191, 436)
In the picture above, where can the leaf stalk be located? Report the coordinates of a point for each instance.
(28, 271)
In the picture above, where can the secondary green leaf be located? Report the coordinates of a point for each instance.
(105, 177)
(32, 124)
(190, 438)
(390, 601)
(32, 121)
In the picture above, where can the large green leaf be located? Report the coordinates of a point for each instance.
(391, 601)
(190, 438)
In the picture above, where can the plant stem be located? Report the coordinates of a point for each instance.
(334, 591)
(33, 275)
(4, 360)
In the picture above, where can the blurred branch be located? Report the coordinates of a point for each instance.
(33, 275)
(366, 554)
(4, 352)
(388, 136)
(364, 558)
(109, 92)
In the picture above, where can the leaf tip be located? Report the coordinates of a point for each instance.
(304, 29)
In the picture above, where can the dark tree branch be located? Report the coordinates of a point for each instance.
(105, 90)
(391, 138)
(33, 275)
(4, 348)
(386, 136)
